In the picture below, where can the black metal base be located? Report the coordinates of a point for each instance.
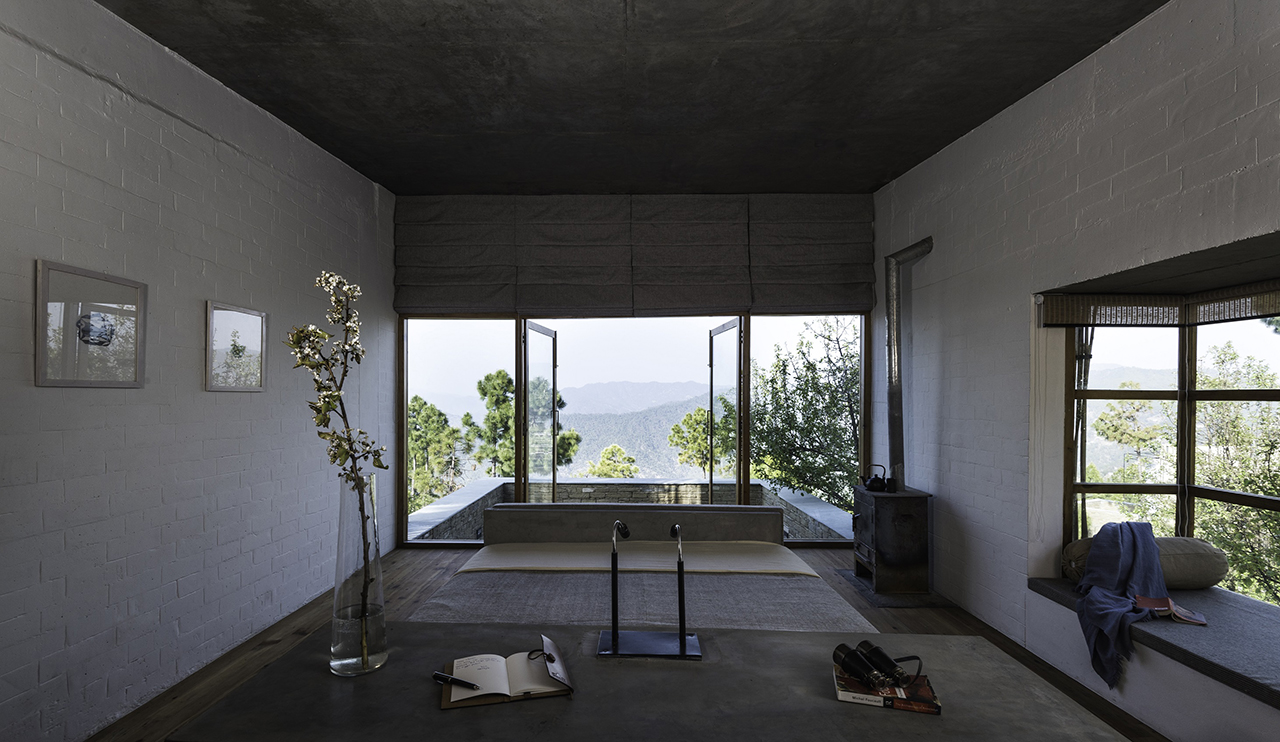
(664, 644)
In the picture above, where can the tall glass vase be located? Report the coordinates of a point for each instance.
(359, 642)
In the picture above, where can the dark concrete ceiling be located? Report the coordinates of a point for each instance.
(633, 96)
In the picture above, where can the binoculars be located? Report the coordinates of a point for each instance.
(871, 666)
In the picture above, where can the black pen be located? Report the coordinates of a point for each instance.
(442, 678)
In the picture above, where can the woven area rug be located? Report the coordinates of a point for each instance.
(729, 601)
(754, 557)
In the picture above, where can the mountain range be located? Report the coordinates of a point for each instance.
(627, 396)
(641, 433)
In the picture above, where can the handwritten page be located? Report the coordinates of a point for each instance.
(489, 671)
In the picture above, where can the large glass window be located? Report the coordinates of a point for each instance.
(632, 410)
(459, 437)
(806, 416)
(1199, 456)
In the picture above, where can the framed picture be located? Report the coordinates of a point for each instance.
(91, 328)
(235, 357)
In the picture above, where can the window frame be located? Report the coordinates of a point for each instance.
(744, 407)
(1187, 397)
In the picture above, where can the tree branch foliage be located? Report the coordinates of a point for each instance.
(436, 451)
(690, 437)
(614, 464)
(806, 409)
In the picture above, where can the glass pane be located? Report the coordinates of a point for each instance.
(1098, 510)
(460, 452)
(540, 436)
(1129, 441)
(724, 415)
(1134, 358)
(628, 388)
(236, 345)
(92, 329)
(1251, 538)
(1238, 446)
(806, 408)
(1239, 355)
(633, 395)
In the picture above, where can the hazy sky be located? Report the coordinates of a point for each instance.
(454, 354)
(1157, 347)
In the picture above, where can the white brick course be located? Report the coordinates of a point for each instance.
(147, 531)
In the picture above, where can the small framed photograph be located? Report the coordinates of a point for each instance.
(235, 359)
(91, 328)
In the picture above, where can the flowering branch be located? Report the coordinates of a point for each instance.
(348, 446)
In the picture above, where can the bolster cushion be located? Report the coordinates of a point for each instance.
(1188, 563)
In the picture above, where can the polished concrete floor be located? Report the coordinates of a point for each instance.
(412, 575)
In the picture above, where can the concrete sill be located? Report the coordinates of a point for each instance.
(1240, 647)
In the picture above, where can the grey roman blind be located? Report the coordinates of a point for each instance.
(690, 254)
(1161, 310)
(634, 255)
(812, 254)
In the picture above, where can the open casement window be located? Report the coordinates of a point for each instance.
(1191, 441)
(540, 416)
(724, 424)
(546, 468)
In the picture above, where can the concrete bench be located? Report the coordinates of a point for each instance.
(572, 522)
(1220, 681)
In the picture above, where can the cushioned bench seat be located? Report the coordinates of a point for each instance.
(1240, 647)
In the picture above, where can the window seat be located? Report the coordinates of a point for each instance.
(1240, 647)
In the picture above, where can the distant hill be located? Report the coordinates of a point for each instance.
(627, 396)
(1108, 456)
(606, 397)
(1109, 376)
(642, 434)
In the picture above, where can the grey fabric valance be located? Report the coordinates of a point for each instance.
(634, 255)
(1161, 310)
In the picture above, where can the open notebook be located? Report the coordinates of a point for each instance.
(523, 675)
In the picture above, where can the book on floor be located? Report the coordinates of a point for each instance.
(918, 696)
(1166, 607)
(538, 673)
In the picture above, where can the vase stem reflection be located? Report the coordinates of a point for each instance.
(359, 638)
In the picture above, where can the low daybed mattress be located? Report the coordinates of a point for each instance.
(741, 557)
(731, 585)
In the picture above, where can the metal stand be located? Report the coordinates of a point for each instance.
(664, 644)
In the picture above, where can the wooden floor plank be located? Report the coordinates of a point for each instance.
(411, 576)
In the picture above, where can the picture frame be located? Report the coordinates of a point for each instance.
(90, 328)
(235, 349)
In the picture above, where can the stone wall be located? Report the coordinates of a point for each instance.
(796, 523)
(639, 490)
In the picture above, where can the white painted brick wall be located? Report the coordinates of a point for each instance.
(145, 532)
(1165, 141)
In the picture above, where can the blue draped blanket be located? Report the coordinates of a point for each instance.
(1124, 561)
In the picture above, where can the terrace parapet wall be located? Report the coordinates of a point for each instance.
(460, 515)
